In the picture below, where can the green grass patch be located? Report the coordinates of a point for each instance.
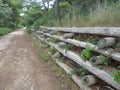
(116, 75)
(4, 31)
(86, 53)
(104, 14)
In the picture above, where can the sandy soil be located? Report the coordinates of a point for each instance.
(20, 65)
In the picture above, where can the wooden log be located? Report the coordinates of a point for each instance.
(61, 44)
(75, 78)
(40, 38)
(38, 32)
(105, 42)
(68, 35)
(89, 80)
(107, 88)
(108, 31)
(99, 73)
(116, 55)
(53, 32)
(96, 60)
(106, 52)
(48, 39)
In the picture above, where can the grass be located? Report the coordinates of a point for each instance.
(86, 53)
(42, 52)
(58, 70)
(4, 31)
(105, 60)
(52, 50)
(116, 75)
(102, 15)
(80, 71)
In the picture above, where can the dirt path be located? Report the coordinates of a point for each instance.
(20, 67)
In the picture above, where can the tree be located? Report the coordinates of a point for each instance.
(10, 12)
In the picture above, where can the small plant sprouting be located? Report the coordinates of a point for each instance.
(94, 41)
(61, 60)
(118, 45)
(68, 47)
(86, 53)
(77, 38)
(80, 71)
(116, 75)
(52, 50)
(53, 39)
(105, 60)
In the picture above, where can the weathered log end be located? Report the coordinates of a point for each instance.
(96, 60)
(68, 35)
(106, 42)
(89, 80)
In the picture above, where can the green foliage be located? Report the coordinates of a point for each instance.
(104, 15)
(52, 50)
(45, 56)
(92, 13)
(118, 45)
(40, 22)
(94, 41)
(64, 4)
(68, 47)
(42, 52)
(105, 60)
(80, 71)
(116, 75)
(86, 53)
(61, 59)
(53, 39)
(58, 70)
(4, 31)
(9, 13)
(77, 38)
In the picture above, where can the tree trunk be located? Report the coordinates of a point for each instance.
(57, 9)
(68, 35)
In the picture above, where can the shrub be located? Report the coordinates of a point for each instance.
(118, 45)
(94, 41)
(52, 50)
(40, 21)
(4, 31)
(105, 60)
(86, 53)
(80, 71)
(53, 39)
(116, 75)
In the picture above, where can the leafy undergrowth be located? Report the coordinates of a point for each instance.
(4, 31)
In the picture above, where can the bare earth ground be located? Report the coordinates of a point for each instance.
(20, 66)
